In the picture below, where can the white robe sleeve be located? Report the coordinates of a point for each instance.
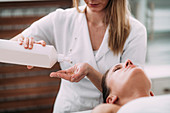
(43, 29)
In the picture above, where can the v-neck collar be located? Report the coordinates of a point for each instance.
(83, 34)
(103, 49)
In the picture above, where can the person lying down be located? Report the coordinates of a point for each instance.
(121, 84)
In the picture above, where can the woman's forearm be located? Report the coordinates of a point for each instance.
(95, 77)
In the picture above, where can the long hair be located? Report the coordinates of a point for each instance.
(76, 4)
(105, 89)
(117, 17)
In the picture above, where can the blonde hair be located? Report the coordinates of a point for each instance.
(117, 17)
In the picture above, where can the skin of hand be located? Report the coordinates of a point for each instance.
(106, 108)
(73, 74)
(28, 43)
(78, 72)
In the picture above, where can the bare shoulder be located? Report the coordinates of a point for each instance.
(106, 108)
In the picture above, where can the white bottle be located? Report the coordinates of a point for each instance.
(39, 56)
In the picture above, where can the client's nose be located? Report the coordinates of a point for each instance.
(128, 62)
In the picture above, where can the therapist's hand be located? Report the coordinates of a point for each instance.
(73, 74)
(28, 44)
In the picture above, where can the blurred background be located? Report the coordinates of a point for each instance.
(25, 91)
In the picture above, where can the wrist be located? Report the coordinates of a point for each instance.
(89, 70)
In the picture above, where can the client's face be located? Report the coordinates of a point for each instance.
(127, 81)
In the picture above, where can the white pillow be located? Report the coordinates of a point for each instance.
(156, 104)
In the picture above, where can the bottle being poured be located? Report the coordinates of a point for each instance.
(38, 56)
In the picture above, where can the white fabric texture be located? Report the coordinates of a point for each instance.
(156, 104)
(68, 31)
(88, 111)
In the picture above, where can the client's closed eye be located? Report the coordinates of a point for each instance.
(116, 69)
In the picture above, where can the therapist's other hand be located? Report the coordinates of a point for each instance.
(73, 74)
(28, 44)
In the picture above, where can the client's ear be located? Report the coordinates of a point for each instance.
(151, 93)
(111, 99)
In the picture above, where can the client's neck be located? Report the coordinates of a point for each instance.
(137, 94)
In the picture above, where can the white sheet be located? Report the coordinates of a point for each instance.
(156, 104)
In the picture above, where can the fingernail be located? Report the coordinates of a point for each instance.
(51, 75)
(25, 46)
(30, 46)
